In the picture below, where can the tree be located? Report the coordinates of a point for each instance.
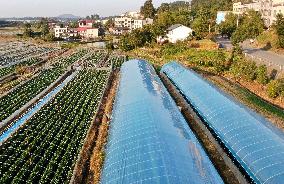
(279, 25)
(109, 24)
(229, 26)
(74, 24)
(238, 36)
(44, 29)
(163, 8)
(167, 18)
(50, 37)
(148, 10)
(251, 25)
(219, 61)
(125, 45)
(201, 24)
(244, 69)
(110, 46)
(95, 17)
(212, 6)
(28, 30)
(137, 38)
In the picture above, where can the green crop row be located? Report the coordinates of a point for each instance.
(45, 149)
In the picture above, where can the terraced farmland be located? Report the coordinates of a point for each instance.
(45, 149)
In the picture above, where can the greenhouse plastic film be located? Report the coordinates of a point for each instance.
(150, 142)
(252, 140)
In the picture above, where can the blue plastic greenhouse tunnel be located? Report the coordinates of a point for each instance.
(254, 142)
(150, 141)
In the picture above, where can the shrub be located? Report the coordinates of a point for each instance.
(261, 74)
(237, 50)
(172, 49)
(244, 69)
(275, 88)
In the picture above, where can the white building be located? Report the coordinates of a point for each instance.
(89, 33)
(93, 33)
(124, 22)
(270, 9)
(60, 32)
(139, 23)
(267, 8)
(239, 8)
(131, 23)
(178, 32)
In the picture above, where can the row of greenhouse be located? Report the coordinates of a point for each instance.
(150, 140)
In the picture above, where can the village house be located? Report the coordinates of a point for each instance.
(178, 32)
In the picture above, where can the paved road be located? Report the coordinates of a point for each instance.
(259, 55)
(267, 56)
(224, 43)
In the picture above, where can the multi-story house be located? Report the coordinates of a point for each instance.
(86, 23)
(131, 20)
(124, 22)
(239, 8)
(267, 8)
(60, 31)
(139, 23)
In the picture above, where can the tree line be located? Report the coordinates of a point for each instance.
(40, 30)
(249, 25)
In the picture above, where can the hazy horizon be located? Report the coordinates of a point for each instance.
(53, 8)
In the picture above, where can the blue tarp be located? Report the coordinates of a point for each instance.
(252, 140)
(150, 141)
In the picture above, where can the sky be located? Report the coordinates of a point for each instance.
(49, 8)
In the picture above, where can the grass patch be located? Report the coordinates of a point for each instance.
(260, 103)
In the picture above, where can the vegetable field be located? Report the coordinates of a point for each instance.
(21, 95)
(10, 69)
(46, 148)
(24, 93)
(18, 51)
